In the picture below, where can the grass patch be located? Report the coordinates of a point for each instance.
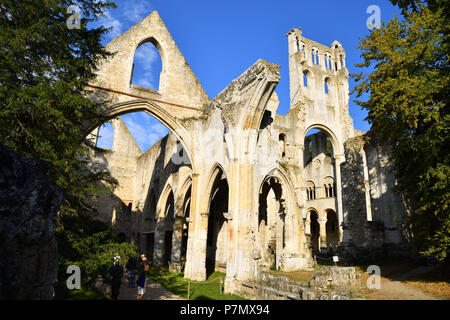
(199, 290)
(301, 275)
(85, 293)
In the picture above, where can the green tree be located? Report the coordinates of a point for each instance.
(45, 66)
(44, 109)
(408, 107)
(91, 245)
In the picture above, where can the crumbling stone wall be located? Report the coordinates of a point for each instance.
(327, 283)
(28, 209)
(373, 212)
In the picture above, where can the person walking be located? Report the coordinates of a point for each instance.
(116, 278)
(142, 279)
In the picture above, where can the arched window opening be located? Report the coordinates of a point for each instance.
(105, 136)
(305, 78)
(328, 183)
(310, 190)
(147, 67)
(326, 86)
(282, 145)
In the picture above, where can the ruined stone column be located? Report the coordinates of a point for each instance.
(196, 250)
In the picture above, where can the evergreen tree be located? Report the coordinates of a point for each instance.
(408, 107)
(44, 109)
(45, 66)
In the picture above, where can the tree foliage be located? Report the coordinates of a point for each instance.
(45, 66)
(91, 245)
(44, 110)
(408, 107)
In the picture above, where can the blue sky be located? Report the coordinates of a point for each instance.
(221, 39)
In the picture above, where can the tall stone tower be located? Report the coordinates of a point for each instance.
(319, 84)
(319, 93)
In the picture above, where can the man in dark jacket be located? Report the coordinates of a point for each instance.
(116, 279)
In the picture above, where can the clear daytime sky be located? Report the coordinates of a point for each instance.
(221, 39)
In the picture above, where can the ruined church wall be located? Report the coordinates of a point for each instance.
(373, 212)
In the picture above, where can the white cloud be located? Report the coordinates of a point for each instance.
(127, 14)
(135, 10)
(145, 129)
(110, 21)
(146, 66)
(146, 55)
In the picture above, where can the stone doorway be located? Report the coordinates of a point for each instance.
(332, 231)
(216, 244)
(271, 228)
(315, 231)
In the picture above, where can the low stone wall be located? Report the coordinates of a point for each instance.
(327, 283)
(336, 277)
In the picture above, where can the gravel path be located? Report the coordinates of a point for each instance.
(394, 289)
(154, 291)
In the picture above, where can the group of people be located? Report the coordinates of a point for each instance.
(132, 268)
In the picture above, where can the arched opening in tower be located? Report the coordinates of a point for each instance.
(315, 231)
(332, 231)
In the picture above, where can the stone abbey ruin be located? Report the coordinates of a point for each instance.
(235, 186)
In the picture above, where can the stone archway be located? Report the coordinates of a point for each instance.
(314, 231)
(271, 223)
(161, 114)
(217, 226)
(332, 230)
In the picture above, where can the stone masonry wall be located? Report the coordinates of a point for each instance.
(28, 211)
(373, 213)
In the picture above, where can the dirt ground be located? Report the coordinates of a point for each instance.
(399, 281)
(408, 282)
